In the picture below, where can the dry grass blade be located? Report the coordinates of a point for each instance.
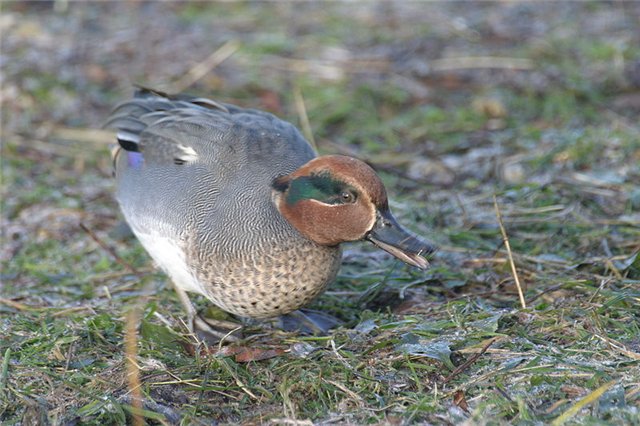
(201, 69)
(330, 69)
(470, 62)
(16, 305)
(304, 118)
(619, 347)
(357, 399)
(93, 136)
(632, 393)
(589, 399)
(505, 238)
(293, 422)
(133, 371)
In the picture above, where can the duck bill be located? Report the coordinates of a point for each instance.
(391, 237)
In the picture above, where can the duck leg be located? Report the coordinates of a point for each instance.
(207, 328)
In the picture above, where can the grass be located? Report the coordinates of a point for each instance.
(446, 346)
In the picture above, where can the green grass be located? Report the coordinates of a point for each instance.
(445, 346)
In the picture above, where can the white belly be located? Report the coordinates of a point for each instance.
(170, 257)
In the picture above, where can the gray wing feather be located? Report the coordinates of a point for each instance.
(204, 165)
(208, 128)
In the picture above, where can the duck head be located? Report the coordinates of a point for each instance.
(334, 199)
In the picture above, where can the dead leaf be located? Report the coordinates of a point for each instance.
(247, 353)
(460, 400)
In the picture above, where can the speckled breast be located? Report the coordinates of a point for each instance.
(270, 282)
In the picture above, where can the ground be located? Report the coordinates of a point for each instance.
(481, 118)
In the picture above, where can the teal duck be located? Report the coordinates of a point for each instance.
(234, 204)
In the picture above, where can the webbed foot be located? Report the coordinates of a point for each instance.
(308, 321)
(209, 330)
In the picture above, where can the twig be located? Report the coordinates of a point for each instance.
(468, 362)
(201, 69)
(471, 62)
(110, 250)
(106, 276)
(304, 118)
(509, 253)
(503, 393)
(545, 291)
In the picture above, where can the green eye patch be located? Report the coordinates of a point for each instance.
(321, 187)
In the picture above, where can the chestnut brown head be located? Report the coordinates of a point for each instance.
(334, 199)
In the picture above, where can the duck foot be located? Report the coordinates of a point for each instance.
(210, 331)
(308, 321)
(213, 331)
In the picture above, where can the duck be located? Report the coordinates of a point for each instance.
(235, 205)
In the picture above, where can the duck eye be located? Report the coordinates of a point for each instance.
(348, 197)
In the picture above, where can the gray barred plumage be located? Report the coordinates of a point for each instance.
(194, 184)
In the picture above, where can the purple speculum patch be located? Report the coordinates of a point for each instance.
(135, 159)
